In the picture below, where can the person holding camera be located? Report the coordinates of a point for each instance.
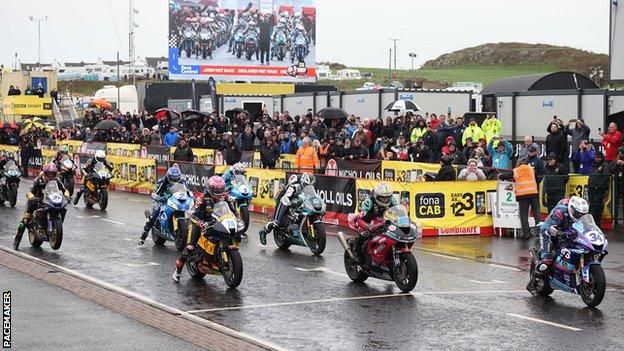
(579, 131)
(584, 157)
(501, 155)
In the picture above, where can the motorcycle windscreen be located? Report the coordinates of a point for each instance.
(314, 202)
(11, 168)
(240, 183)
(589, 233)
(398, 215)
(53, 195)
(67, 161)
(226, 220)
(101, 170)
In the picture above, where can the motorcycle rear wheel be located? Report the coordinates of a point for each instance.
(542, 287)
(232, 270)
(280, 240)
(57, 238)
(103, 201)
(191, 268)
(353, 272)
(407, 275)
(34, 241)
(593, 293)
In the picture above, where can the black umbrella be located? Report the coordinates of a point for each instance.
(191, 119)
(402, 105)
(332, 113)
(65, 124)
(234, 111)
(193, 113)
(107, 125)
(78, 121)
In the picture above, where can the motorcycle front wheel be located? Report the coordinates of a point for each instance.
(232, 270)
(406, 276)
(12, 195)
(158, 240)
(103, 201)
(56, 238)
(593, 293)
(87, 202)
(183, 229)
(244, 212)
(318, 241)
(353, 272)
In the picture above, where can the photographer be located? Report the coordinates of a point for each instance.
(584, 157)
(579, 131)
(471, 172)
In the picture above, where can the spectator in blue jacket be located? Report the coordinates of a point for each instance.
(501, 155)
(584, 157)
(171, 138)
(285, 144)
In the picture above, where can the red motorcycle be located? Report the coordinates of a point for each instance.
(387, 254)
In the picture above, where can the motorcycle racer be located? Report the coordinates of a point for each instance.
(100, 156)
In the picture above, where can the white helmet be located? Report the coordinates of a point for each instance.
(238, 169)
(100, 155)
(382, 194)
(577, 207)
(297, 14)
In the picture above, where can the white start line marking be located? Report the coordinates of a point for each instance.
(446, 256)
(505, 267)
(149, 264)
(111, 221)
(562, 326)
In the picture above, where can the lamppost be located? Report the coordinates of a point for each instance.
(38, 20)
(412, 55)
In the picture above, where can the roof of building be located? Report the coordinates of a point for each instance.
(30, 66)
(542, 81)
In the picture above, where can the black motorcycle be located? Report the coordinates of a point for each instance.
(206, 43)
(97, 187)
(10, 183)
(251, 44)
(188, 41)
(47, 222)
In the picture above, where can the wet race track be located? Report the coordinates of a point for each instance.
(298, 301)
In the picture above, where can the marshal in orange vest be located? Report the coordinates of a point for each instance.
(524, 178)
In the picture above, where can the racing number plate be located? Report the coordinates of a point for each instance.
(91, 186)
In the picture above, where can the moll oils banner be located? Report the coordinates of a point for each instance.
(442, 208)
(218, 43)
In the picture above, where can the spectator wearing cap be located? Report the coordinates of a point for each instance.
(523, 151)
(491, 127)
(457, 156)
(617, 170)
(473, 131)
(555, 180)
(536, 162)
(597, 186)
(612, 141)
(557, 142)
(501, 155)
(183, 152)
(579, 131)
(471, 172)
(584, 157)
(447, 143)
(527, 195)
(447, 171)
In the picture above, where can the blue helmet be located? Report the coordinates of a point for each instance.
(173, 174)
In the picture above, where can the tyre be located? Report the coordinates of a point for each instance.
(280, 239)
(239, 53)
(542, 287)
(191, 268)
(232, 270)
(56, 238)
(70, 186)
(352, 271)
(183, 229)
(34, 241)
(12, 195)
(188, 53)
(204, 54)
(158, 240)
(318, 242)
(103, 201)
(406, 276)
(87, 203)
(593, 293)
(244, 212)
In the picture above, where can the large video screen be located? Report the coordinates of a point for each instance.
(259, 40)
(616, 42)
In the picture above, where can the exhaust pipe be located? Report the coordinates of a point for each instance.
(345, 245)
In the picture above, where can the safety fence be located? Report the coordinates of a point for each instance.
(442, 208)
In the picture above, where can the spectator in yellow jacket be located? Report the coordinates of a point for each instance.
(492, 127)
(306, 158)
(473, 131)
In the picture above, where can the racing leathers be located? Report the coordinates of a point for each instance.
(364, 222)
(35, 196)
(557, 221)
(160, 195)
(86, 172)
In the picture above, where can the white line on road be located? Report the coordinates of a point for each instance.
(114, 197)
(446, 256)
(93, 216)
(110, 220)
(321, 269)
(494, 281)
(505, 267)
(562, 326)
(149, 264)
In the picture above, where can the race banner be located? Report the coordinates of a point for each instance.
(247, 158)
(286, 161)
(257, 163)
(266, 184)
(156, 152)
(205, 156)
(408, 172)
(194, 174)
(91, 148)
(73, 145)
(10, 151)
(30, 105)
(133, 174)
(366, 169)
(124, 150)
(442, 208)
(577, 186)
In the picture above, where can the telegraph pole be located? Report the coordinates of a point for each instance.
(390, 64)
(38, 20)
(131, 26)
(395, 50)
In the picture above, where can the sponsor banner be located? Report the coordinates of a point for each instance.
(156, 152)
(91, 148)
(123, 150)
(408, 172)
(132, 173)
(35, 163)
(247, 158)
(442, 208)
(31, 105)
(256, 160)
(205, 156)
(73, 145)
(366, 169)
(10, 151)
(266, 184)
(194, 174)
(286, 161)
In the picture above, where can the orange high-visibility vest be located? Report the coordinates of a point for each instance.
(306, 159)
(524, 177)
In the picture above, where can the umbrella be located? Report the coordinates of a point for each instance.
(332, 113)
(191, 119)
(32, 123)
(78, 121)
(402, 105)
(101, 103)
(193, 112)
(164, 112)
(65, 124)
(107, 125)
(235, 111)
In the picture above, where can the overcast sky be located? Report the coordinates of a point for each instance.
(353, 32)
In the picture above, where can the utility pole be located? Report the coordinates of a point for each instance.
(131, 26)
(390, 64)
(118, 93)
(38, 20)
(395, 50)
(413, 56)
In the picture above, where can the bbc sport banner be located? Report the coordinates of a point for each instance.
(194, 55)
(442, 208)
(266, 184)
(402, 171)
(124, 150)
(31, 105)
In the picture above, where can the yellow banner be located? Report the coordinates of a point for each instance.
(266, 184)
(73, 145)
(286, 161)
(409, 172)
(444, 208)
(124, 150)
(10, 151)
(133, 172)
(577, 186)
(47, 155)
(205, 156)
(31, 105)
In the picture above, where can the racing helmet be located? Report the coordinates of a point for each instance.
(300, 27)
(382, 194)
(238, 169)
(307, 179)
(297, 14)
(100, 156)
(49, 171)
(282, 22)
(173, 174)
(216, 186)
(577, 207)
(63, 149)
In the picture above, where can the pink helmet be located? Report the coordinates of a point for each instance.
(49, 170)
(216, 186)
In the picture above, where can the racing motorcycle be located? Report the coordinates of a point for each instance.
(303, 225)
(577, 265)
(68, 171)
(239, 40)
(299, 48)
(172, 223)
(251, 44)
(10, 183)
(97, 187)
(188, 41)
(47, 221)
(387, 254)
(280, 45)
(241, 194)
(206, 43)
(216, 251)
